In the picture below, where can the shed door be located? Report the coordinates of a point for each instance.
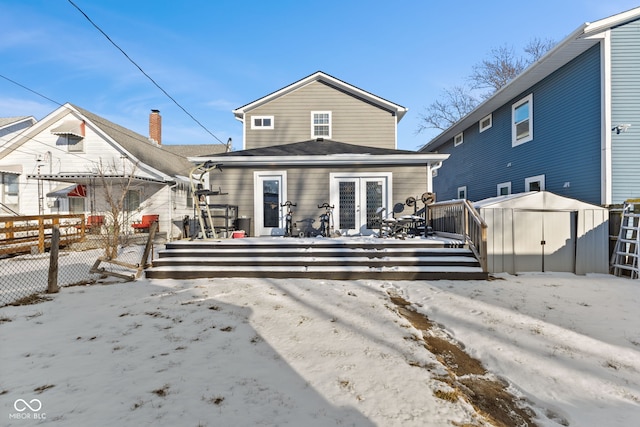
(544, 241)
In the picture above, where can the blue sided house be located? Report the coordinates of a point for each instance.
(569, 124)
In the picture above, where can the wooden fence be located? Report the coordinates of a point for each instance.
(28, 234)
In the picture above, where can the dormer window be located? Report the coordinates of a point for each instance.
(321, 124)
(262, 122)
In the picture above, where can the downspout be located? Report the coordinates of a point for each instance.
(430, 169)
(170, 228)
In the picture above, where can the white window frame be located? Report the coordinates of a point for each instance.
(485, 118)
(532, 179)
(313, 124)
(458, 139)
(261, 126)
(514, 133)
(502, 185)
(74, 144)
(463, 190)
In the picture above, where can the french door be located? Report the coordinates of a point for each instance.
(269, 194)
(357, 198)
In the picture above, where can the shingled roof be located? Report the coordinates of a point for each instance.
(140, 146)
(315, 147)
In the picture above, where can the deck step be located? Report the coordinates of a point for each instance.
(340, 259)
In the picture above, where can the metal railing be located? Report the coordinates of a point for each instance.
(460, 220)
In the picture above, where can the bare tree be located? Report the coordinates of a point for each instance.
(495, 72)
(454, 104)
(488, 76)
(115, 185)
(536, 48)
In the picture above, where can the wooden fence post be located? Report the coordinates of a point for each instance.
(52, 285)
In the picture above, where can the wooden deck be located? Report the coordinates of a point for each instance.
(318, 258)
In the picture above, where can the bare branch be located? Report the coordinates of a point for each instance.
(454, 104)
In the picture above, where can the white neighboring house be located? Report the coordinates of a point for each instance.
(62, 163)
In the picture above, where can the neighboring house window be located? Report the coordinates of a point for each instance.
(486, 123)
(462, 192)
(262, 122)
(504, 189)
(534, 183)
(132, 200)
(76, 205)
(74, 144)
(458, 139)
(522, 121)
(321, 124)
(189, 198)
(9, 190)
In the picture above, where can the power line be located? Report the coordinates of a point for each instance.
(143, 72)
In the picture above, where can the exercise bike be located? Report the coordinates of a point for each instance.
(288, 230)
(326, 223)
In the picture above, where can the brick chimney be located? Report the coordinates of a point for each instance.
(155, 127)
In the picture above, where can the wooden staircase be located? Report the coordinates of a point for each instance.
(318, 258)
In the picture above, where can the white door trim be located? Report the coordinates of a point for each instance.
(334, 190)
(258, 203)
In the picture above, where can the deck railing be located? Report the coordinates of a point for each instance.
(20, 234)
(460, 220)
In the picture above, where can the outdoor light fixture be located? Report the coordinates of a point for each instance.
(621, 128)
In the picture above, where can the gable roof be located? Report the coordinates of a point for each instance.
(323, 153)
(576, 43)
(193, 150)
(8, 121)
(148, 153)
(315, 147)
(319, 76)
(139, 146)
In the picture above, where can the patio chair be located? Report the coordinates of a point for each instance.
(145, 223)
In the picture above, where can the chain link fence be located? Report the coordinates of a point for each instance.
(23, 278)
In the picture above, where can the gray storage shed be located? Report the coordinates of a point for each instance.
(541, 231)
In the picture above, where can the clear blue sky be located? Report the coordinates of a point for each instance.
(213, 56)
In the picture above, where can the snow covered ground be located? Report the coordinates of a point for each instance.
(247, 352)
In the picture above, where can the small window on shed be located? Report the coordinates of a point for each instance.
(486, 123)
(458, 139)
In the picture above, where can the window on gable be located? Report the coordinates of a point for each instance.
(486, 123)
(321, 124)
(504, 189)
(534, 183)
(458, 139)
(262, 122)
(462, 192)
(522, 121)
(74, 144)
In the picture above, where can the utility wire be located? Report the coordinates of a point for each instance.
(30, 90)
(143, 72)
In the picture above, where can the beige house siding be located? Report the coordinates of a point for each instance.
(352, 120)
(309, 187)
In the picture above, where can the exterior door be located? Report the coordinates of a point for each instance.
(357, 198)
(544, 241)
(269, 194)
